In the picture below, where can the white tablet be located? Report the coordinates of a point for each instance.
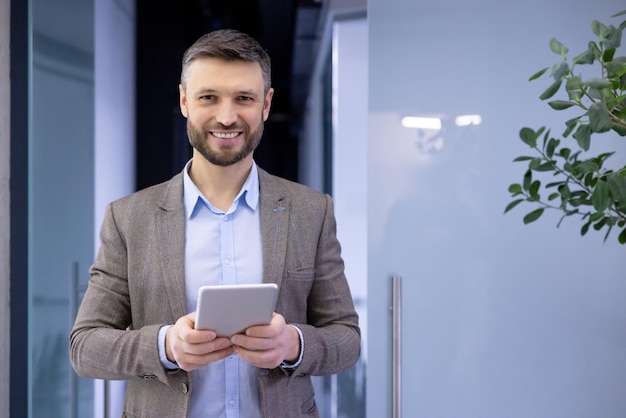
(230, 309)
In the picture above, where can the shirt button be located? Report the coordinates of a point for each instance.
(185, 388)
(227, 261)
(231, 402)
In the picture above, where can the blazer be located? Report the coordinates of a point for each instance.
(137, 285)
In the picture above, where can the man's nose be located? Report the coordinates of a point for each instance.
(226, 113)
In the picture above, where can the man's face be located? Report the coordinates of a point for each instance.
(225, 107)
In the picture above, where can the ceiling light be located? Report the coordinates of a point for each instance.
(421, 122)
(466, 120)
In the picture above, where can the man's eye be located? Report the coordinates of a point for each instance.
(245, 99)
(207, 97)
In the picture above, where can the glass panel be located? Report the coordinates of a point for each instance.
(60, 199)
(349, 190)
(499, 318)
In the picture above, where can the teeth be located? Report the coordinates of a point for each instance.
(225, 135)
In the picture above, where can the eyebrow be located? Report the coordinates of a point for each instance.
(204, 91)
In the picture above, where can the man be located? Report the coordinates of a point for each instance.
(223, 220)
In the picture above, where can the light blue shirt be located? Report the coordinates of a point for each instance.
(221, 248)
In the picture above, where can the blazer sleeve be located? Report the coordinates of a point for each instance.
(331, 331)
(103, 343)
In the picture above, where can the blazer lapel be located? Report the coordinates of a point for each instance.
(171, 236)
(274, 225)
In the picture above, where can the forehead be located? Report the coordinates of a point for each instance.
(215, 73)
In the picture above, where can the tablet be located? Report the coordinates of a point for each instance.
(230, 309)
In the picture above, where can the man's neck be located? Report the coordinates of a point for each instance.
(219, 185)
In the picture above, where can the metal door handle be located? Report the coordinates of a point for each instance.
(396, 354)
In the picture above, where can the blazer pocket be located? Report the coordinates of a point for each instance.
(301, 274)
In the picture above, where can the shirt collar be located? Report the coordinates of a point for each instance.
(194, 200)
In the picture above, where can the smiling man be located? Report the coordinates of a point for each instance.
(222, 220)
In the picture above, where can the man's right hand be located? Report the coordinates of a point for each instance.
(192, 349)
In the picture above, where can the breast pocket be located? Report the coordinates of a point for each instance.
(294, 294)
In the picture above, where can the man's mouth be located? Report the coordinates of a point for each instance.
(225, 135)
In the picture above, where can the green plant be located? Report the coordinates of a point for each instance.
(582, 185)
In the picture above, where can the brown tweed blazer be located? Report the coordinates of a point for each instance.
(137, 285)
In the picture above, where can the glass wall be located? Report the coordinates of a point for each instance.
(61, 196)
(499, 319)
(349, 189)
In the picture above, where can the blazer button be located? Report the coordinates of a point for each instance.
(185, 388)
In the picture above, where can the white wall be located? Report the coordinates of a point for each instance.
(5, 198)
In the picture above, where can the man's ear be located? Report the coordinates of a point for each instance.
(182, 100)
(267, 104)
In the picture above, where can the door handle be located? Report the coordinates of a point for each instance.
(396, 351)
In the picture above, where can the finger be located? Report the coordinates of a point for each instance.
(194, 336)
(204, 348)
(253, 343)
(265, 359)
(190, 362)
(186, 332)
(273, 329)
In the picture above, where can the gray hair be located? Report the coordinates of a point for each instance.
(229, 45)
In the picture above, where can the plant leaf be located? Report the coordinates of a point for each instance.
(538, 74)
(533, 190)
(558, 48)
(533, 216)
(599, 29)
(552, 144)
(547, 166)
(622, 236)
(515, 188)
(616, 68)
(598, 83)
(583, 136)
(528, 177)
(571, 124)
(529, 136)
(586, 57)
(617, 185)
(512, 205)
(559, 70)
(551, 91)
(523, 158)
(560, 104)
(599, 120)
(587, 166)
(600, 197)
(574, 87)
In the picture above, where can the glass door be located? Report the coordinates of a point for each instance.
(61, 196)
(498, 318)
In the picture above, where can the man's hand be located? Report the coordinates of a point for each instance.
(266, 346)
(191, 348)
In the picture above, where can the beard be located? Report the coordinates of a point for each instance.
(224, 155)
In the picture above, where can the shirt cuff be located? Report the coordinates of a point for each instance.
(288, 365)
(162, 355)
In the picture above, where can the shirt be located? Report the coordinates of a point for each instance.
(221, 248)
